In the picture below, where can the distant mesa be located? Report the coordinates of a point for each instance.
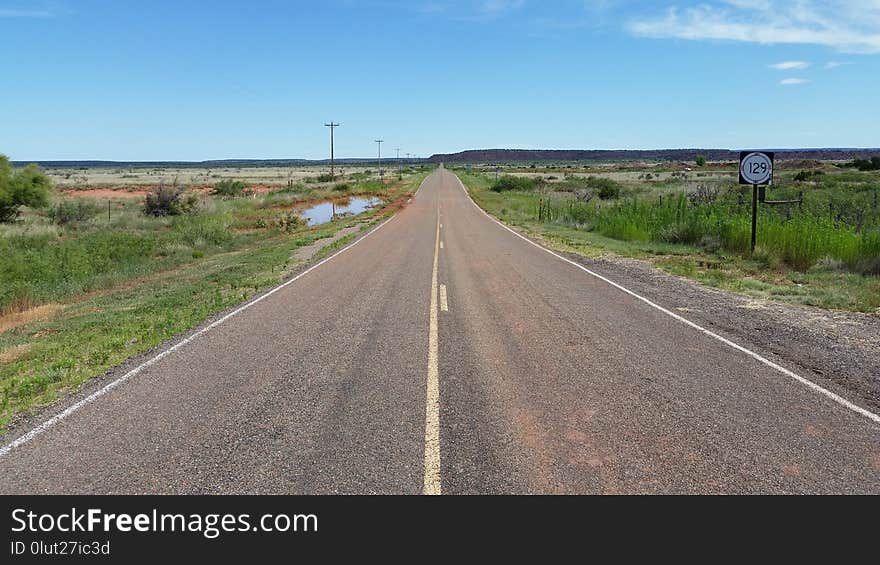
(605, 155)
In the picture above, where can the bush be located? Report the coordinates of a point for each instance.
(605, 188)
(701, 160)
(872, 164)
(72, 211)
(341, 186)
(290, 222)
(26, 187)
(230, 188)
(509, 182)
(325, 177)
(169, 201)
(807, 175)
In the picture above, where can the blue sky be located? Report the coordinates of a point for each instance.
(163, 80)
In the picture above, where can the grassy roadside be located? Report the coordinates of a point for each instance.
(759, 277)
(78, 331)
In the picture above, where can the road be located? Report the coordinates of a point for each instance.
(443, 353)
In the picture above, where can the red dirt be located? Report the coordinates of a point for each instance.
(106, 193)
(141, 191)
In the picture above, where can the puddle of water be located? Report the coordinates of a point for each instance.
(323, 212)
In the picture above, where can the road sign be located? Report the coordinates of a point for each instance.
(756, 167)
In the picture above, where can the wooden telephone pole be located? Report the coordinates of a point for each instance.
(379, 142)
(332, 126)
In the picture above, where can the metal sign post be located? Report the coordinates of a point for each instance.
(756, 169)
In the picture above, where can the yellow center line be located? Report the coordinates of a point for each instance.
(432, 404)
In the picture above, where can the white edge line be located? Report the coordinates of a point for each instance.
(18, 442)
(806, 382)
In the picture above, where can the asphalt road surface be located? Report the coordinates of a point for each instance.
(445, 354)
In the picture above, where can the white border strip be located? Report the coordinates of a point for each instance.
(121, 380)
(808, 383)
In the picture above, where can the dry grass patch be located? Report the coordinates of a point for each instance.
(14, 353)
(15, 319)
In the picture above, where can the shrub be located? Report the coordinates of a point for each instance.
(605, 188)
(230, 188)
(701, 160)
(169, 201)
(72, 211)
(509, 182)
(290, 222)
(26, 187)
(807, 175)
(341, 186)
(325, 177)
(872, 164)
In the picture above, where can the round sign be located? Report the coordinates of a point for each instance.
(756, 168)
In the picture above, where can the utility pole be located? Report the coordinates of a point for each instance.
(398, 161)
(332, 126)
(379, 143)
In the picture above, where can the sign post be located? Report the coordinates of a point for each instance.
(755, 168)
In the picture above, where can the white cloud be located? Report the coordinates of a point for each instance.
(793, 81)
(834, 64)
(790, 65)
(851, 26)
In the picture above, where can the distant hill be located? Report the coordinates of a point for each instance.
(487, 156)
(600, 155)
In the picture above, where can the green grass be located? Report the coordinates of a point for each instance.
(801, 258)
(126, 287)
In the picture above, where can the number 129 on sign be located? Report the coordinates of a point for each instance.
(756, 167)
